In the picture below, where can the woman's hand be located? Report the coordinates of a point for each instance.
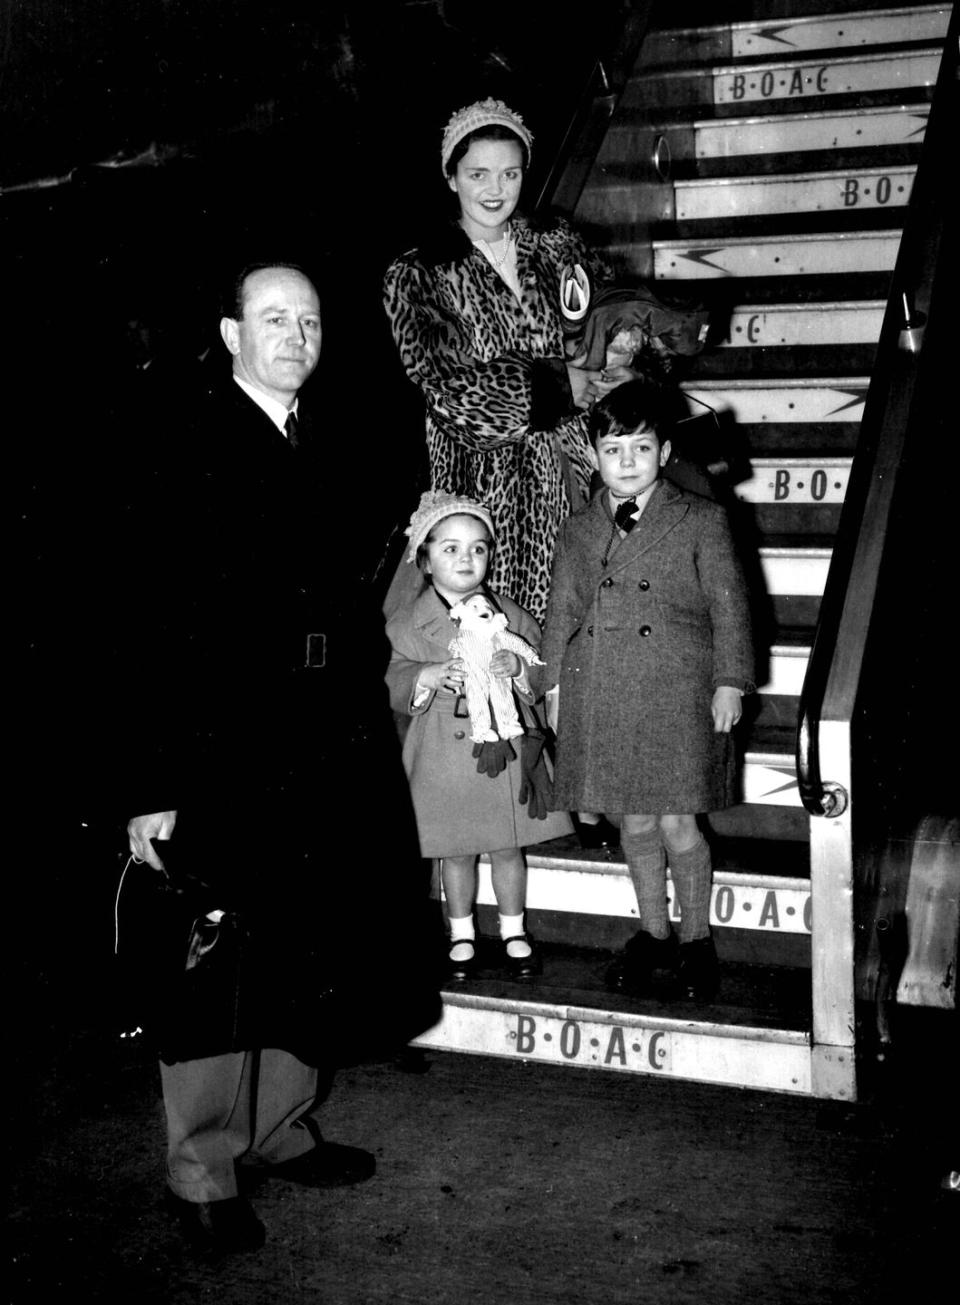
(583, 384)
(611, 377)
(442, 677)
(505, 664)
(726, 708)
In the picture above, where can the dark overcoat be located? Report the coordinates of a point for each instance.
(256, 709)
(638, 646)
(459, 812)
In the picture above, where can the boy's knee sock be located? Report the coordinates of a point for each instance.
(692, 875)
(648, 870)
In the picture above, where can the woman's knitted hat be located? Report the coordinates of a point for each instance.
(434, 506)
(484, 113)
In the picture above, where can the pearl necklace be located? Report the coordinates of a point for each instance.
(507, 242)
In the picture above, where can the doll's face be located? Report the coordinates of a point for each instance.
(479, 608)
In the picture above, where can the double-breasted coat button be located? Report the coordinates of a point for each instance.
(607, 583)
(459, 734)
(644, 631)
(590, 630)
(644, 585)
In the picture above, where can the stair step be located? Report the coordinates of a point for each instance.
(798, 255)
(820, 192)
(776, 903)
(786, 83)
(781, 142)
(805, 325)
(806, 133)
(795, 480)
(782, 401)
(839, 31)
(755, 1035)
(787, 667)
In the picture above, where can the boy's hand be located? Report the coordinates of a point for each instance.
(505, 664)
(551, 703)
(726, 708)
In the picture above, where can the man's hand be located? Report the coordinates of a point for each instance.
(141, 829)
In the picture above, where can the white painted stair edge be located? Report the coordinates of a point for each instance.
(704, 1051)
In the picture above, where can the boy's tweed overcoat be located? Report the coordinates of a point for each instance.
(638, 647)
(459, 812)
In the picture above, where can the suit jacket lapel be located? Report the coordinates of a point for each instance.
(663, 513)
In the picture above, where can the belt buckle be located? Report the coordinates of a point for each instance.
(316, 650)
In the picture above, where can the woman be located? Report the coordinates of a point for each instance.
(476, 316)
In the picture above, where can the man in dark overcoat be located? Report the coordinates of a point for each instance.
(260, 731)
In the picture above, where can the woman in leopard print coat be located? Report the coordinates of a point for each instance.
(475, 314)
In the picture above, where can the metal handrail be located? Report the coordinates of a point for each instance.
(594, 108)
(830, 685)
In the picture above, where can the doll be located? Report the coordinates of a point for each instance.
(483, 632)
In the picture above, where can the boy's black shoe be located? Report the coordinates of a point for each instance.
(603, 834)
(632, 970)
(698, 969)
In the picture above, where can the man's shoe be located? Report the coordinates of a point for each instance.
(218, 1227)
(328, 1165)
(698, 969)
(631, 971)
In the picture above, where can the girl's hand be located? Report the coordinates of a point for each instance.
(726, 708)
(505, 664)
(442, 677)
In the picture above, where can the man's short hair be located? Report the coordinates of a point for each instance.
(233, 294)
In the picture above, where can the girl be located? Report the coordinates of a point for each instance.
(648, 636)
(460, 811)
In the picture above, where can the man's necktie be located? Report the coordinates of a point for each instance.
(624, 515)
(290, 427)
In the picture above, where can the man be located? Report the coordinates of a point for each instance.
(253, 749)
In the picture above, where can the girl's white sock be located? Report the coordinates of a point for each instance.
(462, 934)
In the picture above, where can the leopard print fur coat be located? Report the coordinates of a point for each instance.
(500, 422)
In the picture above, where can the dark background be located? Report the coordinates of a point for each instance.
(150, 144)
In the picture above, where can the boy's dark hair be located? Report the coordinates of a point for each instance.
(232, 305)
(629, 406)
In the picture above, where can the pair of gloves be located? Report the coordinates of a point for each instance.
(536, 790)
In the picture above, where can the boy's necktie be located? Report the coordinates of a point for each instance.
(624, 515)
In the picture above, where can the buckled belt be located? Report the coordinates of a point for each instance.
(316, 651)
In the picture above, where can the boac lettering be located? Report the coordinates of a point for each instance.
(616, 1047)
(526, 1028)
(769, 910)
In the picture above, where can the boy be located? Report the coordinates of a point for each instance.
(648, 637)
